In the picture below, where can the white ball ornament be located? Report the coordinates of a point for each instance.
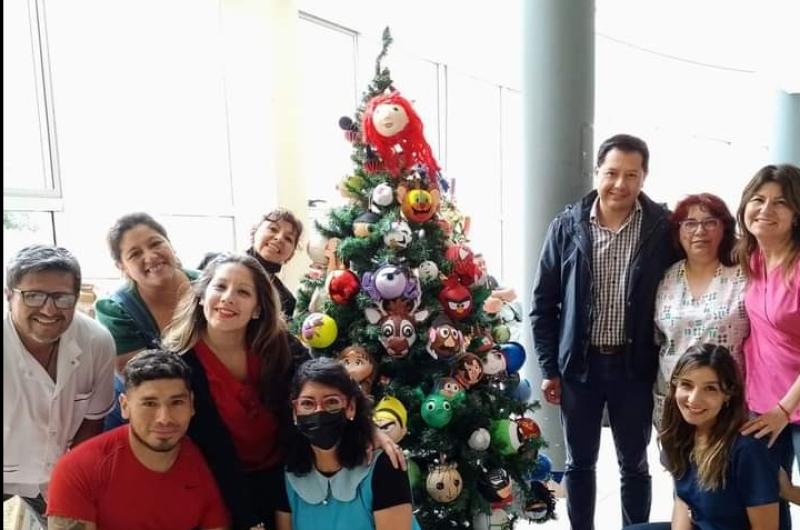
(480, 439)
(428, 271)
(382, 195)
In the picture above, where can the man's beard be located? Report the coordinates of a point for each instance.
(161, 449)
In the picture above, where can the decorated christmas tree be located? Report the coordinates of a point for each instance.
(397, 295)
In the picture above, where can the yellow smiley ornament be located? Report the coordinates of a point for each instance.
(319, 330)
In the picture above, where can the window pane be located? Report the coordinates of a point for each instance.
(473, 159)
(25, 146)
(21, 229)
(329, 93)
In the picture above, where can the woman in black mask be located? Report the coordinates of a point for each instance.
(331, 474)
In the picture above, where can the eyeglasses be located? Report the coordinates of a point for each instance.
(37, 299)
(308, 405)
(691, 225)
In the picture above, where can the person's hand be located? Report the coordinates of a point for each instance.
(392, 450)
(551, 390)
(770, 423)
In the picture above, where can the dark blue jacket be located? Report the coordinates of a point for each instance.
(561, 314)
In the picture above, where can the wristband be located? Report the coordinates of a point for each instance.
(788, 416)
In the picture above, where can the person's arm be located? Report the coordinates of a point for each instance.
(546, 314)
(764, 517)
(789, 491)
(776, 419)
(393, 451)
(283, 520)
(681, 520)
(87, 429)
(55, 522)
(393, 518)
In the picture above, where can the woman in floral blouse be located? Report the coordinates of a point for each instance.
(701, 298)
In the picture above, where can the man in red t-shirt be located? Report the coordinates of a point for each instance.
(144, 475)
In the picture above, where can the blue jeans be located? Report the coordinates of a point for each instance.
(630, 408)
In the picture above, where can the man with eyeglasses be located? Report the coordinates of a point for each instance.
(57, 371)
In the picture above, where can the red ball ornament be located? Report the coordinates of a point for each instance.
(456, 299)
(527, 429)
(343, 286)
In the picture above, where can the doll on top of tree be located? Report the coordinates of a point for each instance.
(397, 296)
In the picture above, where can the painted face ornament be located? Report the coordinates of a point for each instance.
(391, 417)
(436, 411)
(360, 365)
(495, 486)
(399, 236)
(444, 483)
(398, 330)
(319, 330)
(389, 282)
(468, 370)
(418, 203)
(450, 389)
(445, 341)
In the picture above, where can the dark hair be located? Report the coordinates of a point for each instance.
(151, 365)
(265, 336)
(352, 448)
(279, 214)
(626, 143)
(125, 223)
(787, 176)
(677, 436)
(42, 258)
(717, 208)
(207, 258)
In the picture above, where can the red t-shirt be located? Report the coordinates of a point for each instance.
(253, 428)
(102, 481)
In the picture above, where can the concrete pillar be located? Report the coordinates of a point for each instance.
(785, 144)
(558, 110)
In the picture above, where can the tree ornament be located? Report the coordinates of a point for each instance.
(360, 365)
(495, 486)
(319, 330)
(450, 389)
(444, 483)
(436, 411)
(343, 286)
(394, 129)
(397, 326)
(479, 439)
(505, 437)
(468, 370)
(351, 186)
(389, 282)
(497, 520)
(382, 197)
(391, 417)
(519, 389)
(418, 202)
(540, 505)
(462, 258)
(494, 365)
(350, 129)
(543, 468)
(398, 237)
(365, 224)
(428, 271)
(527, 429)
(514, 354)
(501, 333)
(456, 299)
(414, 474)
(445, 341)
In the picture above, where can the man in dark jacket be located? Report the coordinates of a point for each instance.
(592, 320)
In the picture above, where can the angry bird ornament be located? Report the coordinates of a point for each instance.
(393, 128)
(444, 483)
(445, 341)
(391, 417)
(456, 299)
(436, 411)
(318, 330)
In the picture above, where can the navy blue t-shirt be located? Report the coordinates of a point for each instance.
(752, 480)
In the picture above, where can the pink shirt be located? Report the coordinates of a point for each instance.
(772, 351)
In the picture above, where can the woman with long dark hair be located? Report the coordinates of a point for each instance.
(723, 480)
(333, 480)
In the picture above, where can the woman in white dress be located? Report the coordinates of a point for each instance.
(701, 298)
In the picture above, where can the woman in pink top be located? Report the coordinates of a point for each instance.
(769, 216)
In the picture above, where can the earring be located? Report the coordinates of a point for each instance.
(255, 316)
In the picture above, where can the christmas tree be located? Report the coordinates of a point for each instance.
(397, 295)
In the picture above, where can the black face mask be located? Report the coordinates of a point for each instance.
(322, 429)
